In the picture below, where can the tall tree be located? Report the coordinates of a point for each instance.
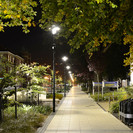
(97, 64)
(92, 23)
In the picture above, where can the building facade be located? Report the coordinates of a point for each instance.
(14, 59)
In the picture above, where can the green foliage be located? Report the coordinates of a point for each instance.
(95, 97)
(111, 95)
(33, 74)
(7, 72)
(42, 109)
(57, 96)
(93, 23)
(122, 94)
(117, 96)
(84, 89)
(17, 13)
(31, 77)
(61, 89)
(29, 119)
(129, 91)
(114, 107)
(37, 88)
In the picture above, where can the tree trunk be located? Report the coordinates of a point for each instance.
(98, 84)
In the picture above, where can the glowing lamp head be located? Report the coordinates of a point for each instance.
(65, 58)
(67, 67)
(54, 29)
(69, 72)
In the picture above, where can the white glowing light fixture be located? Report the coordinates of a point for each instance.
(67, 67)
(69, 72)
(54, 29)
(65, 58)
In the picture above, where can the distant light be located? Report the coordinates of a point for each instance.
(69, 72)
(65, 58)
(67, 67)
(71, 77)
(46, 77)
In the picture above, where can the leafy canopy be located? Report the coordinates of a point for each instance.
(17, 13)
(92, 24)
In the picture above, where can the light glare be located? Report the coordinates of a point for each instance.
(64, 58)
(54, 29)
(69, 72)
(67, 67)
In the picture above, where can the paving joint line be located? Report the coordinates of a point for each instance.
(49, 118)
(101, 107)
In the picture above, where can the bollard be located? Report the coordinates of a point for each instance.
(126, 111)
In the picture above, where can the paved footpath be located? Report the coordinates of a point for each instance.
(78, 113)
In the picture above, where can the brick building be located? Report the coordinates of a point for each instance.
(15, 60)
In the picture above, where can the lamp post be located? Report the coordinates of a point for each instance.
(64, 58)
(54, 29)
(67, 67)
(1, 102)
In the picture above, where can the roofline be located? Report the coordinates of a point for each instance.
(7, 52)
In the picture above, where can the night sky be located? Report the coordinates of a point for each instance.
(38, 43)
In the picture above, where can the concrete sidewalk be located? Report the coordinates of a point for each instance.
(80, 114)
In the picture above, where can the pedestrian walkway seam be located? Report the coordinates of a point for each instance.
(101, 107)
(72, 118)
(49, 118)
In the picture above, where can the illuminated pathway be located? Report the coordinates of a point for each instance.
(80, 114)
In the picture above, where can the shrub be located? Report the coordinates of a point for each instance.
(49, 95)
(95, 97)
(67, 88)
(57, 95)
(29, 119)
(110, 95)
(42, 109)
(121, 94)
(114, 107)
(84, 89)
(129, 91)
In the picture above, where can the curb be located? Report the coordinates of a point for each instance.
(101, 107)
(49, 118)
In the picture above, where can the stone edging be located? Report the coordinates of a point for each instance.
(49, 118)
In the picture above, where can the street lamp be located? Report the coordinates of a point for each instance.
(64, 58)
(67, 67)
(69, 72)
(54, 29)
